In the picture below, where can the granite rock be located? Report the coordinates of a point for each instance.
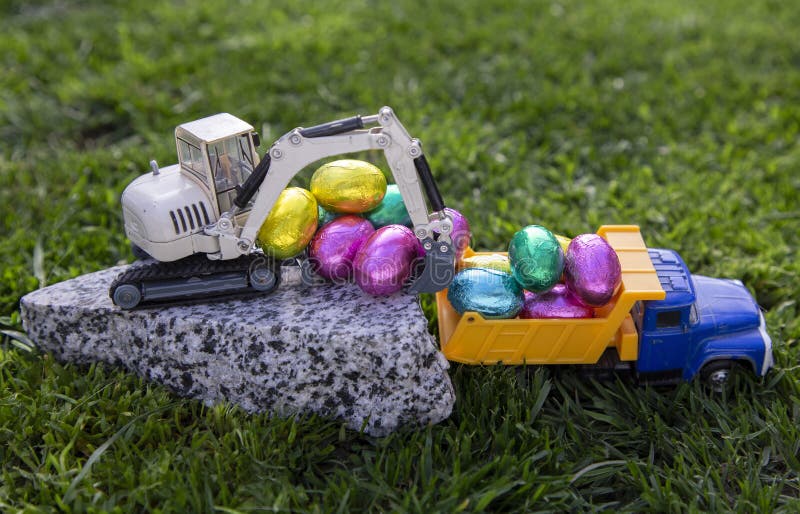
(327, 349)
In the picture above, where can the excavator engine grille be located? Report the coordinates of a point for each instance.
(189, 218)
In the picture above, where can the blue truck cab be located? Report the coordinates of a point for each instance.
(704, 326)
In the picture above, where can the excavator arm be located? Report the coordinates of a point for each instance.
(303, 146)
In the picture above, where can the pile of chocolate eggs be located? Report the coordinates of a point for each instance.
(354, 225)
(543, 276)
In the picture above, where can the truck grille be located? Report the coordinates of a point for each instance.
(189, 218)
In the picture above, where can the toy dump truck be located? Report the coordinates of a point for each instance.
(664, 324)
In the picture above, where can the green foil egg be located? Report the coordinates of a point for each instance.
(391, 211)
(290, 225)
(348, 186)
(489, 292)
(537, 260)
(324, 217)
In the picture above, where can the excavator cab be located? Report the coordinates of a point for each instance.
(219, 152)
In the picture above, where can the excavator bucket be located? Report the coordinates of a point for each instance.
(437, 269)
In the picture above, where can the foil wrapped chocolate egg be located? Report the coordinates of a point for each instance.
(324, 217)
(333, 248)
(391, 211)
(348, 186)
(460, 235)
(290, 225)
(384, 262)
(537, 260)
(558, 302)
(491, 293)
(592, 270)
(491, 261)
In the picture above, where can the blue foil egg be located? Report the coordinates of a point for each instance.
(491, 293)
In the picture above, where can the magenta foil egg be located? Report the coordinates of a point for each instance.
(592, 270)
(559, 302)
(384, 263)
(333, 248)
(461, 234)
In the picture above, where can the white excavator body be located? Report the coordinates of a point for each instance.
(167, 210)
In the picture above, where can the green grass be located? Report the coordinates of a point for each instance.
(681, 117)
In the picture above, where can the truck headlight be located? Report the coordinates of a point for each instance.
(768, 361)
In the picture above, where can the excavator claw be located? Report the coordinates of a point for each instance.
(437, 269)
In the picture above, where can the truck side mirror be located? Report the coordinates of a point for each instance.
(256, 139)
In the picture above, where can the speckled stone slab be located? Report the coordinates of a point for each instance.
(330, 350)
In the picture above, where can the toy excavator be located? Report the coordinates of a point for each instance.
(197, 220)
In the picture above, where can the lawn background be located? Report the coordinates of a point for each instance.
(679, 116)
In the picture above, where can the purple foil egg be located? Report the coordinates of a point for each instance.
(592, 271)
(334, 247)
(384, 262)
(461, 234)
(559, 302)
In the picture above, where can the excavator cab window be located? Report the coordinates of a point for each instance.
(191, 158)
(231, 163)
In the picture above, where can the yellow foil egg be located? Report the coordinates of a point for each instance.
(493, 261)
(290, 225)
(348, 186)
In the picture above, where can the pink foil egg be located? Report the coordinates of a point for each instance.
(384, 262)
(559, 302)
(592, 270)
(333, 248)
(461, 234)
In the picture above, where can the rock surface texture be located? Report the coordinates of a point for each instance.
(329, 349)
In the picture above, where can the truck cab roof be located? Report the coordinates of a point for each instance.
(674, 277)
(723, 304)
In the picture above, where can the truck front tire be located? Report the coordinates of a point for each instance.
(717, 375)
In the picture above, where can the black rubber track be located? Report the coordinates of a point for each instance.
(151, 270)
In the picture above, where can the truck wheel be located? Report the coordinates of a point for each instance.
(127, 296)
(717, 375)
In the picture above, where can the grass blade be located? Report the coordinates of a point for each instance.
(95, 456)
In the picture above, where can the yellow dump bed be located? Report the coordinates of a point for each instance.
(471, 339)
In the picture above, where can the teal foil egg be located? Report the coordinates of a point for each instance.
(537, 260)
(324, 217)
(491, 293)
(391, 211)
